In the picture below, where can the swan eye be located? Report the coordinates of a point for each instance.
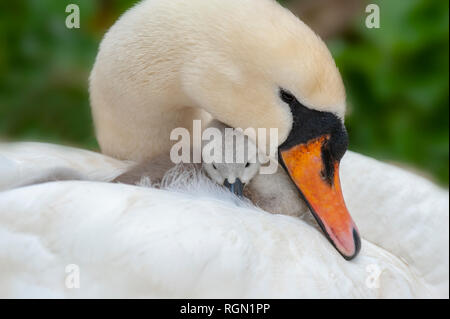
(287, 97)
(247, 165)
(214, 166)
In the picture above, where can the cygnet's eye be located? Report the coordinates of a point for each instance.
(214, 166)
(247, 165)
(287, 97)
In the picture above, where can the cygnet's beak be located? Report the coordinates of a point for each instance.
(236, 188)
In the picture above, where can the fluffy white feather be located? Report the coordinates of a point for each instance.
(28, 163)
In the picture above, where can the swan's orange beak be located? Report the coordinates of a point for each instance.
(317, 178)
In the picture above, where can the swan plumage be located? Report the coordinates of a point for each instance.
(134, 241)
(29, 163)
(163, 64)
(246, 63)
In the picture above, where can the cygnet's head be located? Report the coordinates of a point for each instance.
(238, 162)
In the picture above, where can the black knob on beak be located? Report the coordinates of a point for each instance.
(236, 188)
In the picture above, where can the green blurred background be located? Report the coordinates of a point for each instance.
(396, 77)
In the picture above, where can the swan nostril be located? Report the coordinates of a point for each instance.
(323, 175)
(327, 173)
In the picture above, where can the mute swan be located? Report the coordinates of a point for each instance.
(234, 175)
(273, 193)
(238, 161)
(135, 242)
(246, 63)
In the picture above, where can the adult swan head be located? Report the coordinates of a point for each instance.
(247, 63)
